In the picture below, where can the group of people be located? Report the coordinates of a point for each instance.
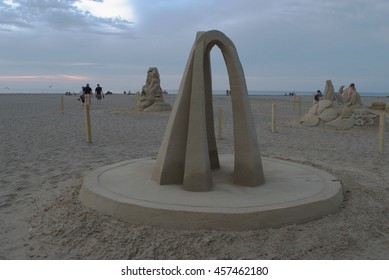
(87, 91)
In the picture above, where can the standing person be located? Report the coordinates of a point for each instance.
(99, 92)
(353, 96)
(317, 96)
(350, 90)
(88, 93)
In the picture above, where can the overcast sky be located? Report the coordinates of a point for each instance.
(282, 44)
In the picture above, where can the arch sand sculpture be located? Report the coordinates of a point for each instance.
(292, 193)
(188, 152)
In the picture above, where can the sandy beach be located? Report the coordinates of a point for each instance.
(44, 158)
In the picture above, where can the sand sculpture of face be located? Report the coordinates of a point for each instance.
(151, 91)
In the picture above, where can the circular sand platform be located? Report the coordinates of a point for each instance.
(293, 193)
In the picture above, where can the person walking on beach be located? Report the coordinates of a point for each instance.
(99, 92)
(88, 92)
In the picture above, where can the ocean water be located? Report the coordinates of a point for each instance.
(174, 91)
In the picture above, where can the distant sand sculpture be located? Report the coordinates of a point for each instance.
(151, 98)
(339, 110)
(188, 151)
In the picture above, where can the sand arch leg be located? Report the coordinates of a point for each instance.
(188, 151)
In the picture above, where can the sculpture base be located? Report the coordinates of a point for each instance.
(293, 193)
(158, 106)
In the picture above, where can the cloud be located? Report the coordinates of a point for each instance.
(58, 77)
(299, 43)
(107, 8)
(55, 15)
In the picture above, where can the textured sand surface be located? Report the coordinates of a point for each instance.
(44, 158)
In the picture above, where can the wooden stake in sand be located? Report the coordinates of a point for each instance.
(293, 101)
(87, 124)
(219, 124)
(88, 99)
(381, 130)
(273, 118)
(62, 104)
(299, 105)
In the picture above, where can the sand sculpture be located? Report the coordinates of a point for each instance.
(188, 151)
(188, 166)
(341, 110)
(151, 98)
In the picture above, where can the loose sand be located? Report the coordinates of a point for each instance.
(44, 158)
